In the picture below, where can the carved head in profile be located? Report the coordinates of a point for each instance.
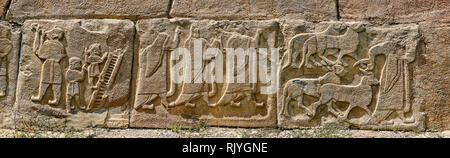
(75, 63)
(55, 34)
(94, 49)
(195, 31)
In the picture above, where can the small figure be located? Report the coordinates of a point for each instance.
(49, 48)
(94, 58)
(74, 75)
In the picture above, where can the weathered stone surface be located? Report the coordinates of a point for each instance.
(3, 7)
(395, 11)
(349, 74)
(22, 9)
(78, 71)
(161, 103)
(249, 9)
(9, 48)
(432, 75)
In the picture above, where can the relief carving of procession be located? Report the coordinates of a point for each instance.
(200, 84)
(369, 79)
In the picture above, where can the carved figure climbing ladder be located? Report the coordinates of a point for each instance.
(105, 81)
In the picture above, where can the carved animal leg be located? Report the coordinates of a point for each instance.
(309, 48)
(284, 101)
(367, 110)
(301, 105)
(56, 94)
(350, 107)
(331, 109)
(42, 89)
(314, 106)
(339, 59)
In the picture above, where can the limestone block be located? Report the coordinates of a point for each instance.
(9, 51)
(395, 11)
(432, 75)
(251, 9)
(78, 71)
(349, 74)
(160, 102)
(23, 9)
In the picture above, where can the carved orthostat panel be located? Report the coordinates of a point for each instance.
(195, 94)
(348, 74)
(9, 47)
(79, 70)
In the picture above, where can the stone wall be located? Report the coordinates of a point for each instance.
(109, 63)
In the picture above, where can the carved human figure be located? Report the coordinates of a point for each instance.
(74, 75)
(152, 71)
(5, 49)
(192, 91)
(48, 47)
(394, 81)
(236, 92)
(94, 58)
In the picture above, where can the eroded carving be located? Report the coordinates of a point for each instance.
(48, 47)
(68, 60)
(199, 89)
(372, 88)
(5, 48)
(74, 75)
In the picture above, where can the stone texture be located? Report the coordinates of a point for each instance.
(161, 103)
(9, 50)
(76, 72)
(349, 74)
(432, 75)
(254, 9)
(395, 11)
(23, 9)
(3, 7)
